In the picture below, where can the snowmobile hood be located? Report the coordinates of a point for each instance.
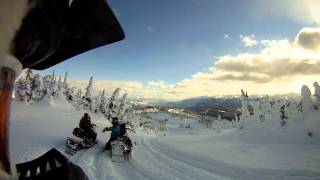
(53, 31)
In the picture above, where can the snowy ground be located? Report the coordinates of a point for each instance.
(197, 153)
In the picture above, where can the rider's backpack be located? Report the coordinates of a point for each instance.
(122, 129)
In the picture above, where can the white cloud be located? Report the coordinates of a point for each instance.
(248, 41)
(282, 66)
(108, 85)
(305, 10)
(226, 36)
(150, 28)
(309, 38)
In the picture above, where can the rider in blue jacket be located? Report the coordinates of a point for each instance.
(115, 132)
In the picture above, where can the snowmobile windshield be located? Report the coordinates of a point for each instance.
(53, 31)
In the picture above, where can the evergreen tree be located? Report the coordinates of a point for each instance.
(87, 101)
(36, 88)
(89, 90)
(65, 83)
(60, 90)
(103, 102)
(28, 80)
(21, 90)
(316, 90)
(47, 90)
(306, 99)
(218, 124)
(112, 105)
(121, 109)
(97, 102)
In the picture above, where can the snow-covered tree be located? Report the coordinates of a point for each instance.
(21, 90)
(317, 94)
(112, 105)
(316, 90)
(87, 100)
(53, 88)
(36, 88)
(306, 99)
(65, 83)
(96, 103)
(60, 90)
(121, 109)
(217, 124)
(89, 89)
(245, 110)
(29, 88)
(47, 90)
(103, 102)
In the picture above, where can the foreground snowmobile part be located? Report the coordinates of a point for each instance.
(53, 31)
(52, 165)
(7, 78)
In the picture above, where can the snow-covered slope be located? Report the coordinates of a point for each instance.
(184, 153)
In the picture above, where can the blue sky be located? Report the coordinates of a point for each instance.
(172, 40)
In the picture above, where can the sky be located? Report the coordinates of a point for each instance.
(178, 49)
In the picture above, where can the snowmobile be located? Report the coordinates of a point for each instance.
(121, 147)
(50, 32)
(81, 140)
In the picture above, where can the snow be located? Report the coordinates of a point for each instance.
(183, 153)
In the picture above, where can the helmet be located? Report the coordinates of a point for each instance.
(114, 120)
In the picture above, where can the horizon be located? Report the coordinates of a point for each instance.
(207, 48)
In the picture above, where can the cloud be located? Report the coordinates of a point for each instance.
(226, 36)
(281, 66)
(248, 41)
(309, 38)
(268, 66)
(306, 10)
(245, 77)
(150, 28)
(109, 85)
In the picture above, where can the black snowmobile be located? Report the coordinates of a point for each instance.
(81, 140)
(51, 32)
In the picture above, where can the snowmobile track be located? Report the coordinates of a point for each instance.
(178, 166)
(232, 171)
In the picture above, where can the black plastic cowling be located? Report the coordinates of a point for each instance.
(55, 30)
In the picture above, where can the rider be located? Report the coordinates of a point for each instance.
(115, 132)
(85, 124)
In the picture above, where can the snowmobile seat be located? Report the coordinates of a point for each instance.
(86, 136)
(51, 165)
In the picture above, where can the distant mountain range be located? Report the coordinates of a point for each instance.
(227, 107)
